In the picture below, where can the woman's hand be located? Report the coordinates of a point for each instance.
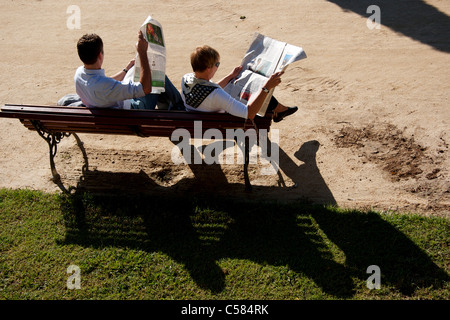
(230, 77)
(274, 80)
(235, 72)
(257, 102)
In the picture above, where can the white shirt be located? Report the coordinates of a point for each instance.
(97, 90)
(217, 101)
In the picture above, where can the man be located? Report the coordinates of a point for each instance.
(97, 90)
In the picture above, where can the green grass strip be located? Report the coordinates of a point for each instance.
(151, 247)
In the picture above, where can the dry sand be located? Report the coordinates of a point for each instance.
(372, 130)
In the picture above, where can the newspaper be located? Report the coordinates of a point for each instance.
(156, 52)
(265, 57)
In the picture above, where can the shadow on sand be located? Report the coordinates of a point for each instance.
(266, 232)
(413, 18)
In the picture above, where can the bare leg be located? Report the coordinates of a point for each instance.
(282, 111)
(280, 108)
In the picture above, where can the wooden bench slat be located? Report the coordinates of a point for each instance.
(115, 121)
(179, 123)
(169, 124)
(126, 116)
(161, 123)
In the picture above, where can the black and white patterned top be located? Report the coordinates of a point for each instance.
(206, 96)
(195, 90)
(198, 94)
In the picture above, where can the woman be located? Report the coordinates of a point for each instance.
(200, 94)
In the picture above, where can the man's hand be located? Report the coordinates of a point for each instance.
(145, 77)
(141, 45)
(131, 64)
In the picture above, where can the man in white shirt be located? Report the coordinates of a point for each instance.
(97, 90)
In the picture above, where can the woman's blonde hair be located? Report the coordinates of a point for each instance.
(204, 57)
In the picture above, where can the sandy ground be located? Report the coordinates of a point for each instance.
(372, 130)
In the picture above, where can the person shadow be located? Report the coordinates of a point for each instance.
(413, 18)
(309, 183)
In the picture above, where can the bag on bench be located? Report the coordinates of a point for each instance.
(71, 100)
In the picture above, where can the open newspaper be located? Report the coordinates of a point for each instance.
(265, 57)
(156, 52)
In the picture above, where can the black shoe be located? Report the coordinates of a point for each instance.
(281, 115)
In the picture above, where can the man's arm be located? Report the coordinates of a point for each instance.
(121, 75)
(146, 74)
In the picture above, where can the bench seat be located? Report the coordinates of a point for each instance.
(55, 122)
(145, 123)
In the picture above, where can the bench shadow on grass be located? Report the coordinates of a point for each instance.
(198, 230)
(293, 236)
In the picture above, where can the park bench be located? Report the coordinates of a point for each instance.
(53, 123)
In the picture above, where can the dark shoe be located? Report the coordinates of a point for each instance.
(281, 115)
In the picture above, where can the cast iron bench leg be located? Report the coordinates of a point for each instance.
(52, 140)
(248, 186)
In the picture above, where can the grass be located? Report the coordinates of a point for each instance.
(145, 247)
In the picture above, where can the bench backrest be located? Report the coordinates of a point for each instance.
(162, 123)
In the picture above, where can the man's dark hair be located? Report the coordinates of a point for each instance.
(89, 46)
